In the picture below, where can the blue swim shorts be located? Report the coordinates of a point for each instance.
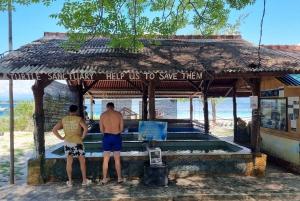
(111, 142)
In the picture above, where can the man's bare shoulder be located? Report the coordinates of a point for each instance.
(103, 114)
(119, 113)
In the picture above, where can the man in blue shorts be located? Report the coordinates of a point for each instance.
(111, 125)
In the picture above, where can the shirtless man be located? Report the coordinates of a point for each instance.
(111, 125)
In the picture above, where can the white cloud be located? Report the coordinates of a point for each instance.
(21, 89)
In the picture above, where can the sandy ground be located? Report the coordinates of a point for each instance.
(23, 150)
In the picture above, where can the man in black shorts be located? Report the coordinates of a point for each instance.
(73, 144)
(111, 125)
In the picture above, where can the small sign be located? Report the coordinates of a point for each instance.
(253, 102)
(152, 130)
(155, 156)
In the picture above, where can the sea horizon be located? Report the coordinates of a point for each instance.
(224, 110)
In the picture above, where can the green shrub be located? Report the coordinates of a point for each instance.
(23, 113)
(4, 124)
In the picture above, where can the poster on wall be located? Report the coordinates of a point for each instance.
(274, 113)
(293, 126)
(293, 108)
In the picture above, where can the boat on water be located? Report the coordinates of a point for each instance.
(2, 108)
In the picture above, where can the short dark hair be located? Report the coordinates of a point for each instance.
(110, 104)
(73, 108)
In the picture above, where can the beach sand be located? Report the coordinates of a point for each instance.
(23, 150)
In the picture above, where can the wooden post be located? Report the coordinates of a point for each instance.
(39, 121)
(91, 108)
(152, 115)
(191, 111)
(234, 114)
(255, 135)
(39, 118)
(205, 111)
(11, 101)
(144, 103)
(80, 98)
(205, 107)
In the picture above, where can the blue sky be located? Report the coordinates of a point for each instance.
(281, 26)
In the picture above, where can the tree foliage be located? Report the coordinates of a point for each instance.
(233, 29)
(125, 21)
(23, 120)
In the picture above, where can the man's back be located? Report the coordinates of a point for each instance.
(111, 121)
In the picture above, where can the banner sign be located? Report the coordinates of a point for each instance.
(101, 76)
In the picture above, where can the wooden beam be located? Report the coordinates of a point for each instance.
(201, 83)
(132, 90)
(248, 82)
(90, 86)
(221, 86)
(207, 85)
(193, 84)
(228, 91)
(47, 82)
(89, 94)
(250, 74)
(136, 87)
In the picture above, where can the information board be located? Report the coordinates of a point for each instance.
(152, 130)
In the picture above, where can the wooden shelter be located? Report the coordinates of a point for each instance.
(279, 112)
(182, 66)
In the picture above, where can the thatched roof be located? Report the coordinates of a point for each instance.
(219, 54)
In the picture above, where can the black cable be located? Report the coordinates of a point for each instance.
(261, 25)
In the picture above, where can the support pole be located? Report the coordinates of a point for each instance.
(152, 115)
(191, 111)
(144, 103)
(91, 108)
(39, 123)
(80, 98)
(11, 101)
(234, 114)
(12, 148)
(205, 108)
(255, 135)
(39, 118)
(205, 111)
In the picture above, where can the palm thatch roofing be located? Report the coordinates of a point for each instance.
(180, 64)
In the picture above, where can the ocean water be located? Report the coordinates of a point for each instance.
(5, 105)
(224, 110)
